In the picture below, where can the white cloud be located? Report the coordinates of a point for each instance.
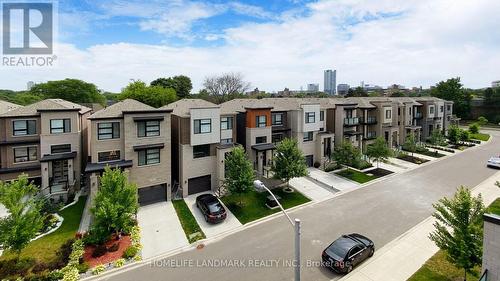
(428, 41)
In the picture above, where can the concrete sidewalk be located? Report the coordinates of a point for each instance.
(332, 180)
(399, 259)
(312, 190)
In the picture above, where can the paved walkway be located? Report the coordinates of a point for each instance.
(414, 247)
(331, 180)
(312, 190)
(403, 163)
(86, 217)
(161, 230)
(3, 211)
(211, 230)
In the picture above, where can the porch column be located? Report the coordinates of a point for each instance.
(71, 172)
(45, 174)
(260, 166)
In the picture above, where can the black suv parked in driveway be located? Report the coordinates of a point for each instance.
(211, 208)
(347, 251)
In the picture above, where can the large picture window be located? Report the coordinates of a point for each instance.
(277, 119)
(260, 121)
(59, 126)
(262, 139)
(202, 126)
(106, 156)
(25, 154)
(226, 123)
(60, 148)
(148, 128)
(24, 127)
(308, 136)
(200, 151)
(149, 156)
(108, 130)
(310, 117)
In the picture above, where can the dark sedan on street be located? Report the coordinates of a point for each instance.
(211, 208)
(347, 251)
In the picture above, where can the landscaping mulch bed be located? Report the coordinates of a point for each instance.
(124, 243)
(413, 159)
(379, 172)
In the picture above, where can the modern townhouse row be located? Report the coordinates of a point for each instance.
(180, 149)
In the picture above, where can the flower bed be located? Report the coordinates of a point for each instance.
(440, 148)
(412, 159)
(123, 243)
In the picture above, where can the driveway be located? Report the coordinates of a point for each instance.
(211, 230)
(312, 189)
(161, 230)
(332, 180)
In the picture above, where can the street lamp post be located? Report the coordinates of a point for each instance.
(296, 225)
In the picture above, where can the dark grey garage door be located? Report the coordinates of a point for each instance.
(199, 184)
(152, 194)
(309, 160)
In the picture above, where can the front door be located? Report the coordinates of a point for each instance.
(309, 160)
(59, 170)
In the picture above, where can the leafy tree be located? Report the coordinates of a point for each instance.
(155, 96)
(226, 86)
(114, 206)
(464, 135)
(410, 143)
(181, 84)
(73, 90)
(239, 173)
(482, 121)
(453, 90)
(474, 128)
(24, 219)
(454, 134)
(379, 150)
(289, 161)
(437, 138)
(346, 154)
(459, 229)
(356, 92)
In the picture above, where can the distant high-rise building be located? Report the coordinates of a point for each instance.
(495, 84)
(313, 88)
(330, 81)
(343, 89)
(30, 85)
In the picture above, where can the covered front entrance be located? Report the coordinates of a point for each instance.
(199, 184)
(309, 160)
(262, 155)
(58, 175)
(152, 194)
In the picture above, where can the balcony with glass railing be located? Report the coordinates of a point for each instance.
(353, 121)
(418, 115)
(370, 120)
(371, 135)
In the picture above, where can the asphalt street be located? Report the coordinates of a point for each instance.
(382, 211)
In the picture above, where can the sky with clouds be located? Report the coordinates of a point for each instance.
(274, 43)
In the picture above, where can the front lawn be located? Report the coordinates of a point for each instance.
(412, 159)
(188, 221)
(437, 268)
(45, 249)
(361, 177)
(253, 203)
(480, 136)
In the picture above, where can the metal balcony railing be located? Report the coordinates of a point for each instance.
(351, 121)
(371, 135)
(418, 115)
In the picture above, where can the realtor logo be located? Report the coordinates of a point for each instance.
(28, 28)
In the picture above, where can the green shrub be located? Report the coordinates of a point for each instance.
(83, 267)
(474, 128)
(98, 269)
(71, 274)
(130, 252)
(119, 263)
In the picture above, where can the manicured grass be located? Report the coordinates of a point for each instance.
(188, 221)
(45, 248)
(438, 268)
(253, 203)
(355, 175)
(480, 136)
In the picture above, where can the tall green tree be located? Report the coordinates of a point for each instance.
(24, 218)
(289, 162)
(452, 90)
(379, 150)
(459, 229)
(115, 205)
(454, 134)
(464, 135)
(346, 154)
(180, 83)
(437, 138)
(410, 143)
(474, 128)
(481, 120)
(73, 90)
(239, 172)
(155, 96)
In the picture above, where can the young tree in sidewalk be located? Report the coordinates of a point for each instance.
(289, 162)
(239, 172)
(378, 151)
(454, 134)
(410, 143)
(115, 205)
(437, 138)
(459, 229)
(346, 154)
(24, 219)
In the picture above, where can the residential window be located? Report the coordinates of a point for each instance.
(277, 119)
(60, 148)
(388, 114)
(106, 156)
(277, 138)
(108, 130)
(148, 128)
(409, 111)
(202, 126)
(308, 136)
(200, 151)
(260, 121)
(149, 156)
(310, 117)
(226, 141)
(441, 109)
(448, 107)
(226, 123)
(431, 110)
(25, 154)
(348, 113)
(321, 116)
(24, 127)
(59, 126)
(262, 139)
(399, 111)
